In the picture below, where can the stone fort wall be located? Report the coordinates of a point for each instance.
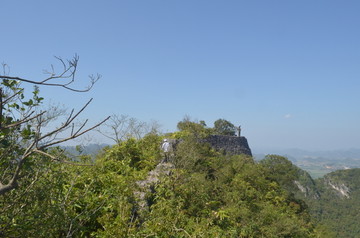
(233, 145)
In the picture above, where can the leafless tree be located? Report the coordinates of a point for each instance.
(122, 127)
(23, 127)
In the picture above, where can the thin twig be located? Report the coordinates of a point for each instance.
(54, 158)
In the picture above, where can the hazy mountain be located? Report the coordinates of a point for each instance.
(317, 163)
(91, 149)
(353, 153)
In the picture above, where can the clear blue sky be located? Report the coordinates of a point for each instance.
(287, 71)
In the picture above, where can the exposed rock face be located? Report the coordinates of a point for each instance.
(340, 188)
(302, 188)
(307, 191)
(233, 145)
(145, 186)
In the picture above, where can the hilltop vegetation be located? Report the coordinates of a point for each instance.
(45, 192)
(207, 194)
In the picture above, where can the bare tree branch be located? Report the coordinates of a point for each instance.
(121, 127)
(26, 119)
(54, 158)
(73, 136)
(70, 119)
(68, 73)
(21, 125)
(13, 181)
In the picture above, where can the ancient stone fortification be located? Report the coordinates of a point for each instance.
(232, 145)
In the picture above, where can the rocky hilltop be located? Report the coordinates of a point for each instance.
(233, 145)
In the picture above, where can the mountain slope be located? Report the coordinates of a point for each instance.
(339, 205)
(334, 200)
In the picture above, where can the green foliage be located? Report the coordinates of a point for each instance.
(189, 128)
(42, 207)
(14, 107)
(237, 201)
(224, 127)
(81, 201)
(336, 211)
(16, 132)
(289, 176)
(207, 194)
(22, 122)
(193, 156)
(281, 170)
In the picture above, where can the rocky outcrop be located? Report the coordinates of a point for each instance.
(302, 188)
(340, 188)
(307, 191)
(146, 186)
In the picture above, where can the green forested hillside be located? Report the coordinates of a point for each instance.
(339, 205)
(333, 200)
(207, 194)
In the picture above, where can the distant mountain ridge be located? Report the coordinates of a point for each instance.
(90, 149)
(318, 163)
(352, 153)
